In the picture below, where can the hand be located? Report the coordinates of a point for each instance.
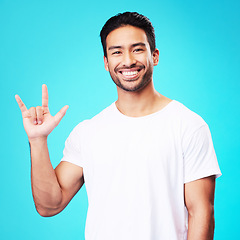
(37, 121)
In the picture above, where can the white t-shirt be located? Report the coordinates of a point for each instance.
(135, 170)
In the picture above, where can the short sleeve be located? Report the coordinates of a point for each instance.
(199, 155)
(72, 150)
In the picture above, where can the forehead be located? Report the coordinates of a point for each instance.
(126, 35)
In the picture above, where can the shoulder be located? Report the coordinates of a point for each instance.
(105, 114)
(186, 115)
(188, 120)
(103, 117)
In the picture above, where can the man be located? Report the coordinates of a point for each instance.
(148, 162)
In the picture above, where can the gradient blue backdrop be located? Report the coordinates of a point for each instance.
(57, 43)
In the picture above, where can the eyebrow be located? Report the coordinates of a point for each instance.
(139, 44)
(133, 45)
(113, 47)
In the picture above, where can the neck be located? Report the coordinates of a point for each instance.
(141, 103)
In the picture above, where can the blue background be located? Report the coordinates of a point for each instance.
(57, 43)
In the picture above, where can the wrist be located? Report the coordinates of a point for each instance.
(37, 140)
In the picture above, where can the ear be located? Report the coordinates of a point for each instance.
(105, 63)
(155, 57)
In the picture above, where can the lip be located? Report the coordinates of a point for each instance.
(130, 73)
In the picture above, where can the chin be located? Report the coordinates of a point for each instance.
(135, 88)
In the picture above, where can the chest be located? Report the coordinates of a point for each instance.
(134, 150)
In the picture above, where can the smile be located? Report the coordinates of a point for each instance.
(130, 74)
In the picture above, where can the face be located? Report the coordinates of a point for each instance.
(129, 58)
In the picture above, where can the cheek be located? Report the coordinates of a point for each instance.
(145, 60)
(147, 63)
(112, 64)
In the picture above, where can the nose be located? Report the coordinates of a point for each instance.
(128, 59)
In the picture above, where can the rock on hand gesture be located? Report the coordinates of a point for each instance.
(37, 121)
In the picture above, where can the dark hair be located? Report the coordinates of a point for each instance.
(128, 18)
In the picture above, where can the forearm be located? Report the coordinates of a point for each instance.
(46, 191)
(201, 224)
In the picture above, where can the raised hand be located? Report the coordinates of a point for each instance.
(37, 121)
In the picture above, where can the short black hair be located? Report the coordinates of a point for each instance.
(128, 18)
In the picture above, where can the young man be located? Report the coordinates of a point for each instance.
(147, 161)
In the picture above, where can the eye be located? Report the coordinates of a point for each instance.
(116, 53)
(138, 50)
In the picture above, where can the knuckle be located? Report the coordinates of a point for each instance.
(32, 112)
(38, 108)
(32, 109)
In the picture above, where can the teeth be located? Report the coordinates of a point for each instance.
(130, 73)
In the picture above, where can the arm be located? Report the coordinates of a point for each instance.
(52, 189)
(199, 200)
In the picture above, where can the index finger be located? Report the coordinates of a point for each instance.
(44, 96)
(21, 105)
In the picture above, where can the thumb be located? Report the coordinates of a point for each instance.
(58, 117)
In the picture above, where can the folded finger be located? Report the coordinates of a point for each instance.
(39, 113)
(33, 115)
